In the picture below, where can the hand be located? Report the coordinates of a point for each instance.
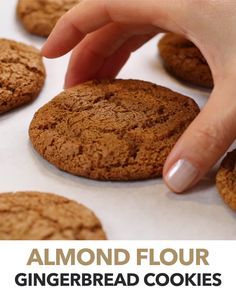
(103, 34)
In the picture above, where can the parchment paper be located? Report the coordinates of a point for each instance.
(133, 210)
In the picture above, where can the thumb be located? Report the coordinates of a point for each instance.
(204, 142)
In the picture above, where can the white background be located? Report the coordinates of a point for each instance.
(132, 210)
(221, 259)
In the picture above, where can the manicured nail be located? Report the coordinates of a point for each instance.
(181, 175)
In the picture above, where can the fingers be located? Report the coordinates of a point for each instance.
(84, 18)
(115, 62)
(102, 54)
(105, 68)
(91, 15)
(204, 142)
(89, 56)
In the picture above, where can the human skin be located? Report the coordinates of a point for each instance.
(103, 34)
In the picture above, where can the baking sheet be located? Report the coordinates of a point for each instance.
(133, 210)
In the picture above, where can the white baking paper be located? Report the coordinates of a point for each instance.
(131, 210)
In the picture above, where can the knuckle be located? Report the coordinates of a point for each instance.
(211, 138)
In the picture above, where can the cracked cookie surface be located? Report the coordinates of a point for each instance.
(226, 179)
(40, 16)
(43, 216)
(184, 60)
(112, 130)
(22, 74)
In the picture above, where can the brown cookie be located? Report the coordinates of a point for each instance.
(112, 130)
(184, 60)
(43, 216)
(22, 74)
(226, 179)
(40, 16)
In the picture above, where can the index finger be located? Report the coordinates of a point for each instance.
(90, 15)
(73, 26)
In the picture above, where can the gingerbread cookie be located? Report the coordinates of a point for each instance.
(22, 74)
(184, 60)
(112, 130)
(226, 179)
(43, 216)
(40, 16)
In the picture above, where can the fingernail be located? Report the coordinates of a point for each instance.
(181, 175)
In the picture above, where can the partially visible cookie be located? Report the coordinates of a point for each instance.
(22, 74)
(226, 179)
(40, 16)
(184, 60)
(112, 129)
(43, 216)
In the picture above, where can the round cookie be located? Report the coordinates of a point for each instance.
(22, 74)
(226, 179)
(43, 216)
(184, 60)
(40, 16)
(112, 129)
